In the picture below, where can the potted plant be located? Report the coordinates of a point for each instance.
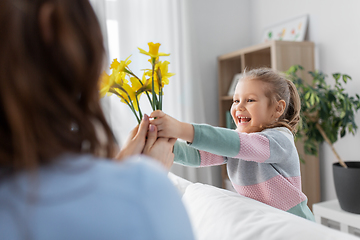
(327, 113)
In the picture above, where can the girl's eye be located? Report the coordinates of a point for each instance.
(251, 100)
(236, 101)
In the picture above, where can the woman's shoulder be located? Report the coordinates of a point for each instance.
(72, 173)
(135, 171)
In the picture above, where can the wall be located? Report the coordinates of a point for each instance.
(334, 28)
(215, 27)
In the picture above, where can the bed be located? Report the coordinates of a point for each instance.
(219, 214)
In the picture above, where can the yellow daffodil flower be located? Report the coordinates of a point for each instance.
(152, 81)
(163, 66)
(146, 83)
(121, 66)
(153, 50)
(165, 75)
(126, 92)
(106, 82)
(114, 64)
(120, 78)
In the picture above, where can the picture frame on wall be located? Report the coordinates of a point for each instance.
(233, 84)
(290, 30)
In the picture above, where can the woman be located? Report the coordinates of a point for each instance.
(56, 179)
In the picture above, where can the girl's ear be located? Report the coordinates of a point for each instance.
(280, 108)
(46, 22)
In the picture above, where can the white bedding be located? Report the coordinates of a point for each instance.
(218, 214)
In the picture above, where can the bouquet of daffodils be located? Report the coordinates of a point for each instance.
(128, 87)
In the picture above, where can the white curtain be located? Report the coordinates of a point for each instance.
(128, 24)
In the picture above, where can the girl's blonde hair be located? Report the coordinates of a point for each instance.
(279, 87)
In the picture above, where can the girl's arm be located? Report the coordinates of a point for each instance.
(270, 146)
(189, 156)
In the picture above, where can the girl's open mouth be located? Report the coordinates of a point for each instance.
(244, 119)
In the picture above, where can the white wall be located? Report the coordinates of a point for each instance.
(215, 27)
(221, 26)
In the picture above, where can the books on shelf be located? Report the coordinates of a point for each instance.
(229, 121)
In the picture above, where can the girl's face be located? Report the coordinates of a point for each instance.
(250, 109)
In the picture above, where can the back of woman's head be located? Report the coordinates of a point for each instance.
(51, 54)
(278, 87)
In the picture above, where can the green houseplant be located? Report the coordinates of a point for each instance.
(327, 113)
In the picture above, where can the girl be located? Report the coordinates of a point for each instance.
(262, 161)
(57, 176)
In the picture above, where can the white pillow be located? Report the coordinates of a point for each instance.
(220, 214)
(180, 183)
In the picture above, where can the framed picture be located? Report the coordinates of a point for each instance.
(289, 30)
(233, 84)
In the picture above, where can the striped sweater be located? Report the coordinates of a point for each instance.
(263, 166)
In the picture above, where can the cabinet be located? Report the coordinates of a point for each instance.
(331, 215)
(279, 55)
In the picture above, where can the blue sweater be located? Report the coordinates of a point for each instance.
(81, 197)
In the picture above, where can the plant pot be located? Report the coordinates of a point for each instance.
(347, 186)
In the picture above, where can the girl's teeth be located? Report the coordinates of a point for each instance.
(244, 119)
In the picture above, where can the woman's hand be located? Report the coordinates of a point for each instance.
(170, 127)
(136, 141)
(161, 148)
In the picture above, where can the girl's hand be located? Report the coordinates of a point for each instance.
(136, 141)
(170, 127)
(160, 149)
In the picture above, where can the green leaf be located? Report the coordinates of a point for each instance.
(336, 76)
(346, 78)
(343, 132)
(342, 114)
(312, 99)
(350, 128)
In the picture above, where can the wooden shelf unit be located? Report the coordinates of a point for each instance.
(279, 55)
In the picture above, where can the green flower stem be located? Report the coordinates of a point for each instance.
(137, 101)
(161, 97)
(160, 89)
(127, 102)
(152, 84)
(133, 110)
(131, 105)
(156, 101)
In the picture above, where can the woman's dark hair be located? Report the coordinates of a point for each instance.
(278, 87)
(49, 101)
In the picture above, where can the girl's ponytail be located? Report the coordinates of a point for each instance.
(293, 111)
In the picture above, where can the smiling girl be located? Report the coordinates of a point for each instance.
(261, 157)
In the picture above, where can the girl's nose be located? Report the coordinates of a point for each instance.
(241, 107)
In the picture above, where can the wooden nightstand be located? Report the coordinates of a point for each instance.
(331, 215)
